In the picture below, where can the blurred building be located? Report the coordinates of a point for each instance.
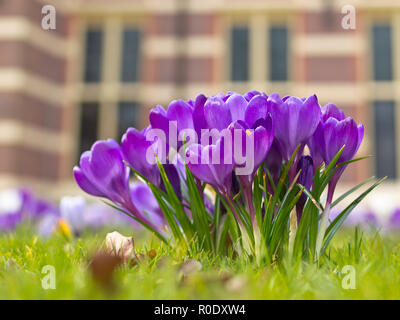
(108, 62)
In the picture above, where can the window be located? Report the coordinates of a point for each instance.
(382, 52)
(385, 139)
(89, 125)
(278, 55)
(127, 117)
(130, 55)
(93, 57)
(240, 54)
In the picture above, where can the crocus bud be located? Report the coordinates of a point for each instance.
(305, 179)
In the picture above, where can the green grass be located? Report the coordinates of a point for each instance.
(376, 260)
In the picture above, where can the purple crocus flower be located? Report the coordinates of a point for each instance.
(212, 165)
(178, 117)
(219, 114)
(256, 110)
(187, 114)
(140, 154)
(273, 163)
(135, 151)
(250, 148)
(158, 119)
(181, 112)
(328, 111)
(305, 179)
(102, 173)
(144, 200)
(251, 94)
(295, 121)
(199, 120)
(262, 137)
(332, 134)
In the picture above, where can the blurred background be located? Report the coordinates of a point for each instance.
(108, 63)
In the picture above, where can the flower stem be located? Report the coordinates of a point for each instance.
(248, 196)
(322, 228)
(325, 219)
(249, 203)
(229, 200)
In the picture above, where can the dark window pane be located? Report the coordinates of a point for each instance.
(130, 55)
(89, 125)
(382, 42)
(127, 115)
(385, 139)
(240, 54)
(94, 44)
(278, 55)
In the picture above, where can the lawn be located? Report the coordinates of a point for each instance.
(159, 274)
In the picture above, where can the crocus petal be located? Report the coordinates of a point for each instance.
(256, 109)
(199, 120)
(217, 113)
(274, 161)
(85, 184)
(199, 169)
(144, 200)
(332, 111)
(309, 118)
(250, 94)
(106, 160)
(214, 171)
(158, 119)
(182, 113)
(223, 170)
(262, 143)
(135, 148)
(338, 134)
(173, 177)
(295, 121)
(237, 105)
(261, 137)
(314, 146)
(306, 175)
(360, 134)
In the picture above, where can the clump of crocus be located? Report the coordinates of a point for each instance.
(249, 153)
